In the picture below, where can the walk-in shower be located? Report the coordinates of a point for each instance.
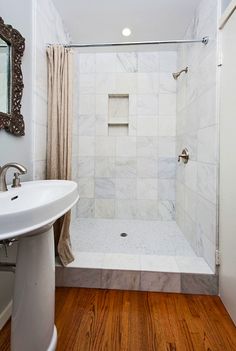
(145, 221)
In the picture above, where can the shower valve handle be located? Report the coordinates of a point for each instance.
(184, 156)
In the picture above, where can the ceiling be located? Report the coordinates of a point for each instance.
(103, 20)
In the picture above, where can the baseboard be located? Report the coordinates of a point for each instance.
(5, 315)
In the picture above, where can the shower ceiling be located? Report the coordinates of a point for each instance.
(103, 20)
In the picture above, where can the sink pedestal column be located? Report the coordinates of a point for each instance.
(34, 294)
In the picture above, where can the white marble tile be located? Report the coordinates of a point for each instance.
(86, 208)
(147, 188)
(104, 208)
(126, 209)
(79, 277)
(147, 147)
(192, 265)
(168, 61)
(190, 203)
(158, 263)
(86, 104)
(132, 127)
(127, 62)
(121, 261)
(148, 83)
(106, 62)
(166, 210)
(126, 167)
(126, 147)
(86, 187)
(104, 188)
(126, 188)
(105, 146)
(206, 218)
(132, 104)
(147, 167)
(101, 104)
(166, 189)
(147, 209)
(167, 104)
(166, 126)
(103, 235)
(126, 83)
(101, 125)
(207, 152)
(87, 63)
(148, 62)
(115, 279)
(86, 167)
(87, 260)
(86, 145)
(166, 147)
(191, 175)
(105, 83)
(152, 281)
(86, 83)
(206, 181)
(167, 167)
(147, 126)
(147, 104)
(86, 125)
(104, 167)
(167, 83)
(207, 108)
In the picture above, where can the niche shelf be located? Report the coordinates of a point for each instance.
(118, 114)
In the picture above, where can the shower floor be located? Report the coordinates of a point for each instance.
(146, 246)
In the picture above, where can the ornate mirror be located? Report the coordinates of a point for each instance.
(12, 46)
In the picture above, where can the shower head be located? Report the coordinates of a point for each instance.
(177, 74)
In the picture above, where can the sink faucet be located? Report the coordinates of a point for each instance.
(3, 171)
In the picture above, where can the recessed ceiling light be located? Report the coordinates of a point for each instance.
(126, 32)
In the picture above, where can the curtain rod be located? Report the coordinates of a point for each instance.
(204, 41)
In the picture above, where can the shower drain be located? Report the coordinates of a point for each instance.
(123, 235)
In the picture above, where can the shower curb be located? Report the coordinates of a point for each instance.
(187, 283)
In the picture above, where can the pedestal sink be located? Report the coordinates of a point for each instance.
(28, 213)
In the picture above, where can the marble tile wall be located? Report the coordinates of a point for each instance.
(128, 176)
(197, 129)
(48, 28)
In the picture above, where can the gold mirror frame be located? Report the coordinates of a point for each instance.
(13, 122)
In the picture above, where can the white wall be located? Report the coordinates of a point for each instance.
(13, 148)
(227, 220)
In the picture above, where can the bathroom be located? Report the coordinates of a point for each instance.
(148, 172)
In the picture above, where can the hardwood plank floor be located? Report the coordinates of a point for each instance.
(111, 320)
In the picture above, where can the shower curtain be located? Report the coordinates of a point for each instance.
(59, 136)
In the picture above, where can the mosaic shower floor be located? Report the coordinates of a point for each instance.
(133, 245)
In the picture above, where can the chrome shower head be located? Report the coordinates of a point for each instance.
(177, 74)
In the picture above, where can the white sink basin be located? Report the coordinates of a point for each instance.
(28, 213)
(34, 205)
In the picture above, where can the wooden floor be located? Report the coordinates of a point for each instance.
(111, 320)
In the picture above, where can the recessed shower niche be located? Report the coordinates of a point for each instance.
(118, 114)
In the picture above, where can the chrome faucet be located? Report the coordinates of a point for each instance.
(3, 171)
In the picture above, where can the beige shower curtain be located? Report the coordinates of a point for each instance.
(59, 141)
